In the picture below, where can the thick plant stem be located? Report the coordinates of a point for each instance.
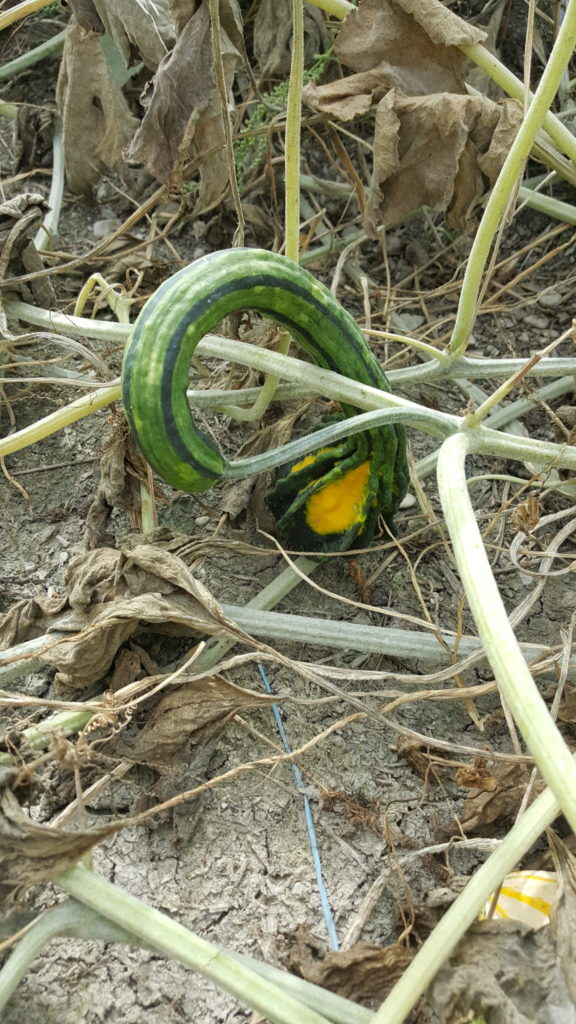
(173, 940)
(57, 420)
(500, 74)
(21, 10)
(50, 48)
(337, 8)
(293, 129)
(508, 179)
(519, 690)
(211, 346)
(464, 911)
(75, 920)
(323, 382)
(48, 231)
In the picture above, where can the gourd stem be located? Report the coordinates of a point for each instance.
(518, 688)
(292, 198)
(210, 347)
(426, 419)
(174, 940)
(508, 179)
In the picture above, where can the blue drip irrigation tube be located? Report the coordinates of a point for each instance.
(309, 822)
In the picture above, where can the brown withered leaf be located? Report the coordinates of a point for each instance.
(499, 805)
(349, 97)
(183, 118)
(382, 30)
(142, 29)
(198, 710)
(110, 592)
(273, 36)
(411, 45)
(121, 470)
(440, 151)
(526, 515)
(33, 132)
(97, 122)
(434, 145)
(20, 218)
(364, 973)
(30, 853)
(28, 619)
(476, 776)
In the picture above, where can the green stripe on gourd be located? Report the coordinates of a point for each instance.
(325, 502)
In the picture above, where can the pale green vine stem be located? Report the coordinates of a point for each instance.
(465, 909)
(292, 139)
(291, 193)
(75, 920)
(50, 48)
(21, 10)
(42, 428)
(500, 74)
(48, 231)
(337, 8)
(116, 300)
(211, 346)
(508, 179)
(519, 690)
(176, 941)
(322, 382)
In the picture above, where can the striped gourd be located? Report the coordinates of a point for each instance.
(324, 502)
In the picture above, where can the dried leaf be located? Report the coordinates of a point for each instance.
(183, 118)
(349, 97)
(409, 37)
(434, 145)
(121, 470)
(199, 710)
(28, 619)
(97, 122)
(436, 151)
(20, 218)
(411, 46)
(500, 804)
(476, 777)
(364, 973)
(140, 28)
(273, 36)
(30, 853)
(33, 131)
(111, 592)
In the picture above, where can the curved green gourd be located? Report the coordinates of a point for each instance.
(325, 502)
